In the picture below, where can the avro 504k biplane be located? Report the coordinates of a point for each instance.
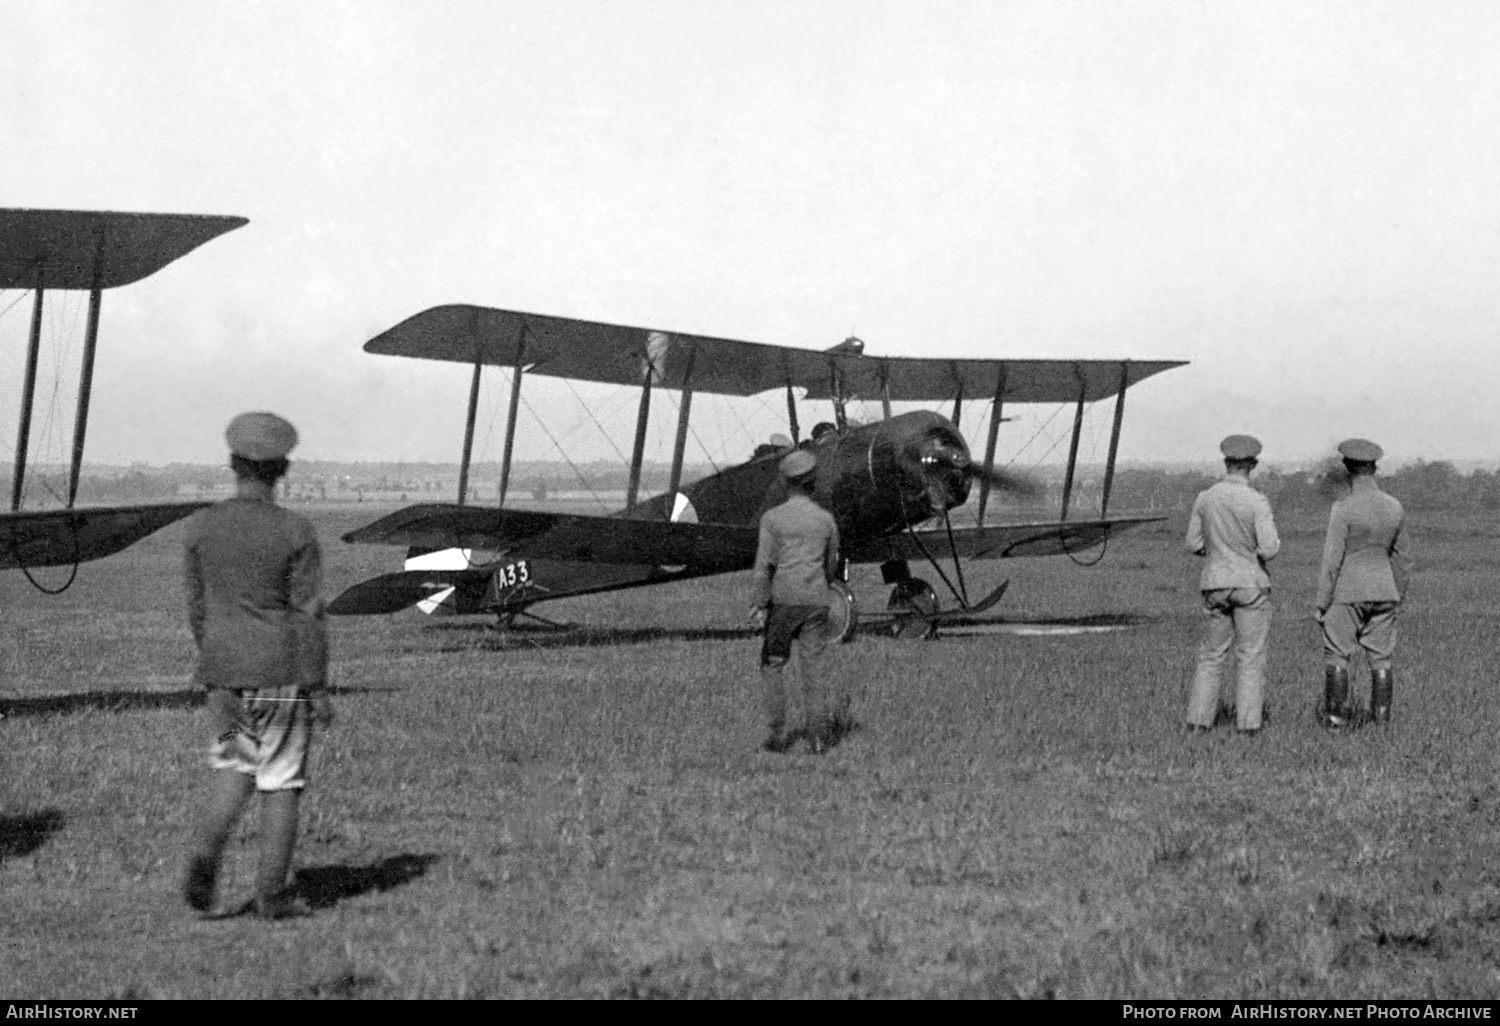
(891, 484)
(44, 250)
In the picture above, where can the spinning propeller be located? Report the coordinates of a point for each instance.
(948, 471)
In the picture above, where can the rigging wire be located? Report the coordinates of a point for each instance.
(602, 430)
(20, 295)
(706, 454)
(561, 451)
(742, 429)
(61, 330)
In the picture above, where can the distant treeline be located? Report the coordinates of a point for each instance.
(1422, 485)
(331, 481)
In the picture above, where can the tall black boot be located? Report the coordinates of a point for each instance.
(1382, 683)
(1335, 697)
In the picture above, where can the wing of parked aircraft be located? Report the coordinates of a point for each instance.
(44, 250)
(62, 537)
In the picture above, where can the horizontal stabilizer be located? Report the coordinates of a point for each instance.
(62, 537)
(392, 593)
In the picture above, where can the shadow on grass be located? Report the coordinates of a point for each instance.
(105, 701)
(1093, 620)
(882, 624)
(326, 886)
(22, 835)
(486, 637)
(124, 701)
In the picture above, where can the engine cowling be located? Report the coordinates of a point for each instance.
(880, 478)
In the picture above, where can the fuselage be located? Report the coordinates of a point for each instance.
(876, 479)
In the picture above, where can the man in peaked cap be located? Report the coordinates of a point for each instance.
(254, 577)
(1363, 577)
(797, 558)
(1232, 528)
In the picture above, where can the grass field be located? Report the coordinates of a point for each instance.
(588, 815)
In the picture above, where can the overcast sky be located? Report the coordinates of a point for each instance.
(1301, 199)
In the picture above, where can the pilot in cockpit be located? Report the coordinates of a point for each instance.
(777, 444)
(820, 429)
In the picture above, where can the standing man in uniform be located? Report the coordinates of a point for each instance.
(797, 557)
(1363, 577)
(1232, 528)
(254, 580)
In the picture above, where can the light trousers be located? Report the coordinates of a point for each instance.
(1238, 619)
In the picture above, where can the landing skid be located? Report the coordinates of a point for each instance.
(913, 613)
(506, 621)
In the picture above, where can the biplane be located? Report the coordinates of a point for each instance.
(46, 250)
(891, 484)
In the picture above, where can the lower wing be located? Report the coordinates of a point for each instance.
(62, 537)
(619, 540)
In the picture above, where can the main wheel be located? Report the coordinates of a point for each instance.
(914, 602)
(843, 613)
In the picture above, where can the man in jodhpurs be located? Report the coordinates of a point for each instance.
(1360, 586)
(1232, 528)
(797, 557)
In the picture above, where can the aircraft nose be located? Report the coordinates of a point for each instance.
(946, 469)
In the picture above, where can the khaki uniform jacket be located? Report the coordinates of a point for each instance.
(798, 554)
(1231, 526)
(254, 579)
(1364, 558)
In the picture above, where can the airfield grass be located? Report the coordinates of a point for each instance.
(588, 814)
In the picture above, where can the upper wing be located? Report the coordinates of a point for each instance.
(62, 537)
(1002, 541)
(84, 249)
(616, 354)
(576, 538)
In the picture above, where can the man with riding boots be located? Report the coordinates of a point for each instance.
(1363, 577)
(797, 557)
(1232, 528)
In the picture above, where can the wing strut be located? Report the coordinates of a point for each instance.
(28, 392)
(1114, 436)
(86, 373)
(638, 453)
(510, 416)
(958, 403)
(791, 412)
(836, 387)
(1073, 445)
(679, 446)
(463, 467)
(885, 391)
(996, 408)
